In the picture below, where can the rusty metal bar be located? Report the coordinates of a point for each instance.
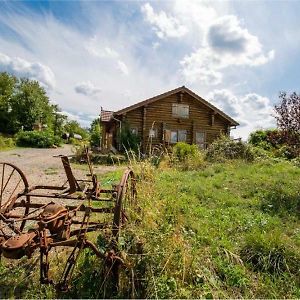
(71, 207)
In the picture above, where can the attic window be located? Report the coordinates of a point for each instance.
(180, 110)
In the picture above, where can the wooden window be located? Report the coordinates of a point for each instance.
(180, 110)
(174, 137)
(178, 136)
(200, 139)
(182, 135)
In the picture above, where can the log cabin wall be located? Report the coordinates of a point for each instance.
(158, 116)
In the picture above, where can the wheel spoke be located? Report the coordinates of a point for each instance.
(13, 186)
(12, 172)
(2, 181)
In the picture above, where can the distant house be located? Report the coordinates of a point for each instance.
(178, 115)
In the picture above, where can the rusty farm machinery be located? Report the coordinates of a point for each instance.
(41, 218)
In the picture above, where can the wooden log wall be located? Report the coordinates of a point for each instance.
(159, 116)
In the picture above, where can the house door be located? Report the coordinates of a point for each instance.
(200, 139)
(109, 139)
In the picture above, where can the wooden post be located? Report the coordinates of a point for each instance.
(103, 139)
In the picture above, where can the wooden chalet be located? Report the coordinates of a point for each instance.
(178, 115)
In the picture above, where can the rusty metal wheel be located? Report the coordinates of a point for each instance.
(124, 207)
(126, 201)
(13, 188)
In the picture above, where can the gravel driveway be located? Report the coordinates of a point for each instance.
(41, 168)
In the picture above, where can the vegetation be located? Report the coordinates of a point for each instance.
(128, 139)
(6, 143)
(218, 229)
(25, 106)
(95, 133)
(288, 118)
(38, 139)
(23, 102)
(73, 127)
(226, 148)
(274, 143)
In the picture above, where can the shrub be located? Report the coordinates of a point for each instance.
(6, 142)
(183, 150)
(186, 157)
(225, 148)
(37, 139)
(128, 139)
(277, 142)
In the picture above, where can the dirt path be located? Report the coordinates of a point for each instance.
(40, 167)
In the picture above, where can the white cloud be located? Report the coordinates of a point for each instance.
(199, 14)
(251, 110)
(165, 26)
(87, 88)
(94, 47)
(226, 101)
(24, 68)
(65, 49)
(123, 67)
(226, 44)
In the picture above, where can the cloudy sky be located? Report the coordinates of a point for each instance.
(89, 54)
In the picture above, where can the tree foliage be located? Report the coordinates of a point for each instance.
(73, 127)
(95, 133)
(288, 117)
(23, 102)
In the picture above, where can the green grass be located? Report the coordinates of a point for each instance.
(208, 232)
(227, 230)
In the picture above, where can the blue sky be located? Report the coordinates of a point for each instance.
(89, 54)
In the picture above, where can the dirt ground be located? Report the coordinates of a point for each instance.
(42, 168)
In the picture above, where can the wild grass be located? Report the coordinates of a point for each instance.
(218, 230)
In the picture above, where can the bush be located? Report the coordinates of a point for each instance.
(182, 150)
(186, 157)
(225, 148)
(128, 139)
(276, 142)
(37, 139)
(6, 142)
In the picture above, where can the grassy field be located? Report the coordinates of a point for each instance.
(228, 230)
(225, 230)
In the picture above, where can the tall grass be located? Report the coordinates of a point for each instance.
(226, 229)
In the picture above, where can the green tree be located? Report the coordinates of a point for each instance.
(59, 121)
(95, 133)
(30, 105)
(73, 127)
(7, 87)
(23, 102)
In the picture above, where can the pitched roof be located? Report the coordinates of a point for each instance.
(169, 93)
(106, 115)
